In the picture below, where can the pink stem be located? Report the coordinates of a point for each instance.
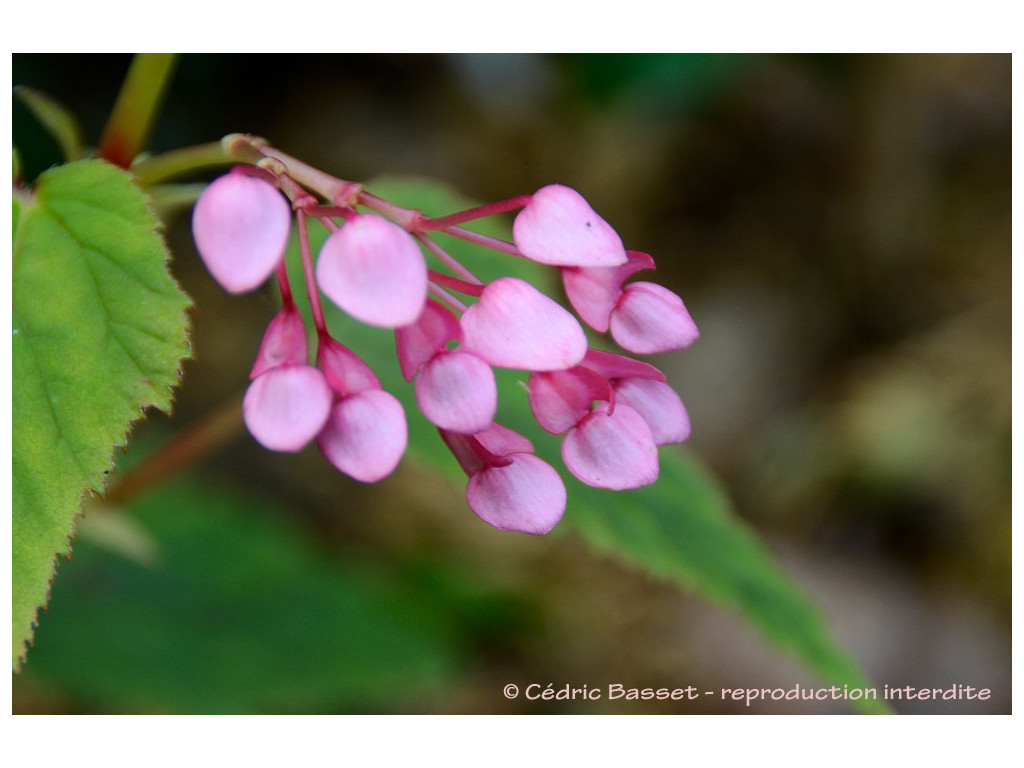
(446, 258)
(283, 285)
(492, 209)
(470, 289)
(484, 240)
(446, 298)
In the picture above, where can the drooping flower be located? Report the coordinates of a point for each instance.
(646, 390)
(374, 270)
(455, 389)
(558, 227)
(645, 318)
(366, 434)
(509, 487)
(607, 443)
(612, 449)
(650, 318)
(241, 224)
(288, 401)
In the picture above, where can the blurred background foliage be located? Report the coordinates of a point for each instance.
(839, 227)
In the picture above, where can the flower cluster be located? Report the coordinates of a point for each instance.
(613, 411)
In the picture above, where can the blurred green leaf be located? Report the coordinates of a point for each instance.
(56, 119)
(682, 528)
(241, 614)
(100, 331)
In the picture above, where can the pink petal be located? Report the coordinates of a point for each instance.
(594, 291)
(502, 441)
(346, 373)
(660, 407)
(457, 392)
(561, 399)
(558, 227)
(365, 435)
(374, 270)
(650, 318)
(613, 366)
(513, 325)
(527, 495)
(287, 406)
(415, 344)
(284, 342)
(614, 451)
(241, 225)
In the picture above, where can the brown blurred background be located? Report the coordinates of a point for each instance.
(838, 225)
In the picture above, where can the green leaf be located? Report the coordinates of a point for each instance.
(100, 330)
(240, 614)
(682, 528)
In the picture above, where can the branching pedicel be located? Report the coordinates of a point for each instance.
(612, 410)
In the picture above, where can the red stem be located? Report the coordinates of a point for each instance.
(491, 209)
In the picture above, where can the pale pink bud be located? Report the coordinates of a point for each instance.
(513, 325)
(374, 270)
(456, 391)
(284, 342)
(508, 487)
(644, 388)
(365, 435)
(659, 405)
(614, 450)
(561, 399)
(416, 343)
(502, 441)
(285, 407)
(527, 495)
(240, 224)
(346, 373)
(559, 227)
(649, 318)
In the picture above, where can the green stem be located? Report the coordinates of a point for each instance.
(136, 107)
(178, 162)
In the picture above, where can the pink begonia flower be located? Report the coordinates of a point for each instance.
(286, 407)
(455, 389)
(288, 401)
(644, 317)
(561, 399)
(374, 270)
(241, 225)
(612, 449)
(513, 325)
(558, 227)
(284, 341)
(607, 442)
(509, 488)
(366, 434)
(645, 389)
(650, 318)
